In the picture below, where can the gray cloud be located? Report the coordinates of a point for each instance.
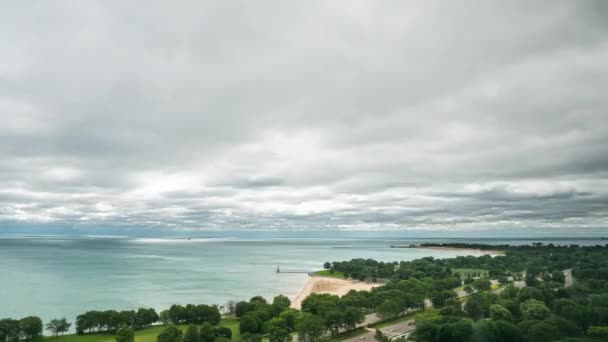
(378, 115)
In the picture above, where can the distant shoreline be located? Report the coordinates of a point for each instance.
(480, 251)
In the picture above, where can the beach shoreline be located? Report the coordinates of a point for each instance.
(329, 285)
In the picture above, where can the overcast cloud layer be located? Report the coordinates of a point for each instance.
(304, 115)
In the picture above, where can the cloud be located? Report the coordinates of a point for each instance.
(380, 115)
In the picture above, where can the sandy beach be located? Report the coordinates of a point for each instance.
(329, 285)
(480, 251)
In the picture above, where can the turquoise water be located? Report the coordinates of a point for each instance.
(64, 276)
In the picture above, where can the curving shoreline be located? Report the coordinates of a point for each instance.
(473, 250)
(335, 286)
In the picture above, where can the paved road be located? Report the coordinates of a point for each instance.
(392, 331)
(399, 329)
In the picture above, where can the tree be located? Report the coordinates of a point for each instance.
(290, 317)
(57, 326)
(558, 277)
(542, 332)
(327, 265)
(310, 327)
(277, 330)
(170, 334)
(500, 313)
(191, 334)
(455, 332)
(333, 317)
(146, 317)
(508, 332)
(426, 331)
(534, 309)
(352, 317)
(531, 280)
(439, 299)
(31, 327)
(9, 330)
(230, 308)
(482, 284)
(280, 303)
(388, 309)
(249, 337)
(475, 307)
(125, 334)
(249, 324)
(164, 317)
(242, 307)
(207, 333)
(224, 332)
(600, 333)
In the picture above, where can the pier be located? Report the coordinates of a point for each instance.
(278, 270)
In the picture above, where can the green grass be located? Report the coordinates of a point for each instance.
(326, 273)
(393, 320)
(463, 272)
(348, 335)
(143, 335)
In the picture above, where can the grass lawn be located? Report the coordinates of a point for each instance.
(326, 273)
(463, 272)
(144, 335)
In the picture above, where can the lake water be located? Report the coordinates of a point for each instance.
(65, 276)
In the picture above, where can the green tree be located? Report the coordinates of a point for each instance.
(57, 326)
(475, 307)
(327, 265)
(31, 327)
(542, 332)
(164, 317)
(508, 332)
(249, 337)
(125, 334)
(500, 313)
(277, 330)
(207, 333)
(249, 324)
(224, 332)
(534, 309)
(290, 316)
(170, 334)
(310, 327)
(191, 334)
(352, 317)
(426, 331)
(482, 284)
(455, 332)
(600, 333)
(9, 330)
(280, 303)
(388, 308)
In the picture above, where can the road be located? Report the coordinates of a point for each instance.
(401, 329)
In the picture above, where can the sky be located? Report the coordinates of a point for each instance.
(313, 115)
